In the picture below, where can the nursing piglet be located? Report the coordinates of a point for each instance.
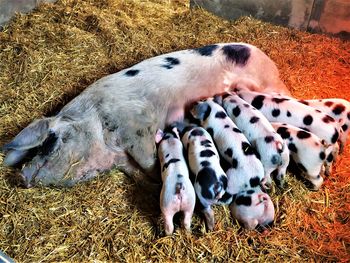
(246, 171)
(177, 194)
(260, 133)
(307, 150)
(210, 180)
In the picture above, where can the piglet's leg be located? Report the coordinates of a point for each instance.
(187, 220)
(168, 223)
(209, 217)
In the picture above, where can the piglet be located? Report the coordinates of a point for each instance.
(210, 180)
(177, 194)
(307, 150)
(260, 133)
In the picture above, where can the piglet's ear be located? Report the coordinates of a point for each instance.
(199, 110)
(31, 136)
(159, 135)
(218, 99)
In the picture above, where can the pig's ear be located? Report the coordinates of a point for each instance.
(175, 130)
(251, 223)
(31, 136)
(200, 110)
(218, 99)
(159, 135)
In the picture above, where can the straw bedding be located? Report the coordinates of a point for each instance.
(52, 54)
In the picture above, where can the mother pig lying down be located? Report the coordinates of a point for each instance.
(114, 121)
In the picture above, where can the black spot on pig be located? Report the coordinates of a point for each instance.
(206, 50)
(275, 112)
(302, 167)
(247, 149)
(243, 200)
(207, 113)
(338, 109)
(250, 192)
(210, 131)
(344, 127)
(254, 119)
(237, 130)
(171, 62)
(226, 126)
(283, 131)
(229, 152)
(234, 163)
(308, 120)
(327, 119)
(322, 155)
(246, 105)
(225, 198)
(303, 102)
(328, 103)
(206, 143)
(220, 115)
(206, 179)
(236, 111)
(330, 157)
(254, 182)
(167, 155)
(303, 134)
(258, 101)
(180, 176)
(288, 113)
(292, 147)
(173, 160)
(206, 153)
(238, 54)
(335, 136)
(279, 100)
(205, 163)
(196, 132)
(269, 139)
(132, 72)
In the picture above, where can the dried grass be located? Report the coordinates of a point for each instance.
(52, 54)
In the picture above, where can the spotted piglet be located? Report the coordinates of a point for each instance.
(246, 172)
(307, 150)
(339, 109)
(177, 194)
(210, 180)
(260, 133)
(277, 108)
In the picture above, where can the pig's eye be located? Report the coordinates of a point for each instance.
(66, 136)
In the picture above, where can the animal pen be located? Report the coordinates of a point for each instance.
(47, 57)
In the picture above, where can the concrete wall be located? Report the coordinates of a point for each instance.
(9, 7)
(328, 16)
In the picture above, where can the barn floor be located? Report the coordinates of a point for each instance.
(49, 56)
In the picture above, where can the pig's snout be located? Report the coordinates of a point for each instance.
(218, 189)
(27, 175)
(276, 159)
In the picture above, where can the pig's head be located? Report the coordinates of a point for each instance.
(253, 208)
(60, 151)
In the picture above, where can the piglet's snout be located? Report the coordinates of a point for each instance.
(219, 190)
